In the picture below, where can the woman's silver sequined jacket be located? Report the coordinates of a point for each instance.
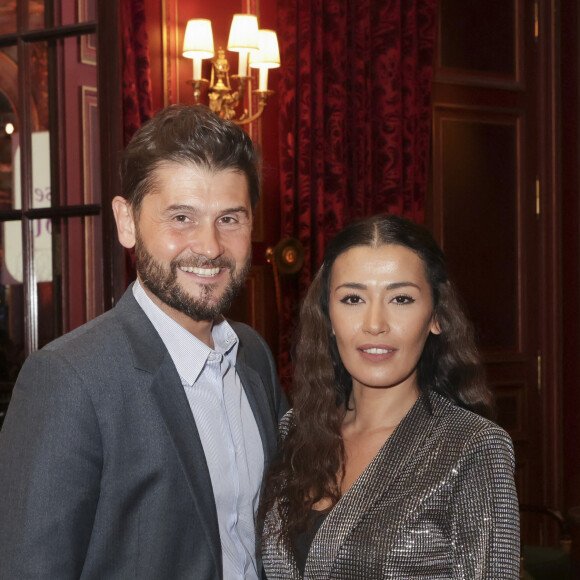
(438, 502)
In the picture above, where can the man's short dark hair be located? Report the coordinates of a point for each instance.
(186, 135)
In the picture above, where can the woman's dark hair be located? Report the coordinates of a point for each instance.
(186, 135)
(312, 453)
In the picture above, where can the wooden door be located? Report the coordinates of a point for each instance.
(493, 211)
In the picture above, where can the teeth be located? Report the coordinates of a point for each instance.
(376, 350)
(205, 272)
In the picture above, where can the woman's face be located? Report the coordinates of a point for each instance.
(381, 312)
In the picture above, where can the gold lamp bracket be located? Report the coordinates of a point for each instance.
(286, 257)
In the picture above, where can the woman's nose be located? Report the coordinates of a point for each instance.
(375, 321)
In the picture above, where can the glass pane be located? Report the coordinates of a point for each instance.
(8, 22)
(78, 124)
(8, 125)
(36, 14)
(69, 283)
(40, 135)
(8, 84)
(11, 302)
(12, 296)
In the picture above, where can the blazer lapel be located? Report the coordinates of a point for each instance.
(399, 450)
(254, 389)
(150, 355)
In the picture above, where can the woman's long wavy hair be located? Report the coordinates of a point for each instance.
(311, 460)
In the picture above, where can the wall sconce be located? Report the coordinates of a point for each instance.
(256, 48)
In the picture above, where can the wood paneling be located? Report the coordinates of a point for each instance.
(494, 209)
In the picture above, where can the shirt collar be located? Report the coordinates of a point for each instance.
(188, 353)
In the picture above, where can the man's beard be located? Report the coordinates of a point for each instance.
(164, 284)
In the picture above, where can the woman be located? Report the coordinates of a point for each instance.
(389, 467)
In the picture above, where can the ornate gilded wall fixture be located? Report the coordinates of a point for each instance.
(256, 49)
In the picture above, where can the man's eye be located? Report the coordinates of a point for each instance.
(180, 218)
(228, 219)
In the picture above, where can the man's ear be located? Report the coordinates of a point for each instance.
(125, 221)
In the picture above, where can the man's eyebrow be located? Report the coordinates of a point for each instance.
(239, 209)
(181, 207)
(392, 286)
(192, 209)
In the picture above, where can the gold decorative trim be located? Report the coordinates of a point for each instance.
(91, 194)
(88, 42)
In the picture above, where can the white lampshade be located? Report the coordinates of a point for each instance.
(243, 33)
(268, 54)
(198, 40)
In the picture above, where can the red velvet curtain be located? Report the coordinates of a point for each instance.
(137, 96)
(355, 121)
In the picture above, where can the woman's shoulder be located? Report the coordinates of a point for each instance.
(462, 435)
(286, 424)
(463, 421)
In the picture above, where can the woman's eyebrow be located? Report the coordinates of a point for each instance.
(391, 286)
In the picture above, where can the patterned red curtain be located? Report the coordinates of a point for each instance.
(355, 121)
(137, 96)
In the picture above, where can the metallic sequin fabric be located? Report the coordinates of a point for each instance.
(438, 501)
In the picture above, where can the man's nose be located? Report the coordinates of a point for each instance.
(206, 241)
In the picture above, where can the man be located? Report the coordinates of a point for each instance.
(134, 446)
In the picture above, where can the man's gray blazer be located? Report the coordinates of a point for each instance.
(102, 472)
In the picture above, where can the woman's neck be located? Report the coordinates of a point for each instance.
(379, 408)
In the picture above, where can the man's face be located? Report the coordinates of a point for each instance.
(193, 240)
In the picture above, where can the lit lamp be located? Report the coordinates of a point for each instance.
(259, 48)
(197, 45)
(267, 57)
(243, 39)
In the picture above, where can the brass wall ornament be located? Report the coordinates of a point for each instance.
(256, 48)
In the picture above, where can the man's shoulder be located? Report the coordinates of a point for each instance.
(245, 332)
(91, 333)
(103, 333)
(252, 349)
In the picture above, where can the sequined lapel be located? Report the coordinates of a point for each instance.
(392, 459)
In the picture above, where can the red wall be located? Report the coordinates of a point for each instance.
(166, 21)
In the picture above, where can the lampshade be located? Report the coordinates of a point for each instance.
(268, 54)
(243, 33)
(198, 40)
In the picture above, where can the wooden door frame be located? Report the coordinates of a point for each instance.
(570, 265)
(111, 130)
(549, 153)
(546, 79)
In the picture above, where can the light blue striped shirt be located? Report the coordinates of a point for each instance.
(227, 429)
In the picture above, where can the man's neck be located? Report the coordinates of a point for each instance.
(201, 329)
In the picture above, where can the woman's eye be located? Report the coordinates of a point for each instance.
(403, 299)
(351, 299)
